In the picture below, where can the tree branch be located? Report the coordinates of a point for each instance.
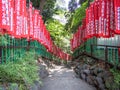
(41, 5)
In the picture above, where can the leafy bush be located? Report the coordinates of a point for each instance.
(24, 71)
(3, 40)
(116, 74)
(76, 18)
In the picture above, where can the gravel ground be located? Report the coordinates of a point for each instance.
(62, 78)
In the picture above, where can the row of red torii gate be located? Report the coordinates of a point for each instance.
(20, 21)
(102, 20)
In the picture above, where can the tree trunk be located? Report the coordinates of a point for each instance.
(41, 6)
(88, 3)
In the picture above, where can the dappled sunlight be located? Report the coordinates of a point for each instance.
(62, 78)
(60, 70)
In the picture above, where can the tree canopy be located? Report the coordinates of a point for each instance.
(46, 7)
(61, 33)
(77, 14)
(76, 18)
(58, 33)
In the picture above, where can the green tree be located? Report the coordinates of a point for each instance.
(75, 19)
(49, 9)
(59, 35)
(46, 7)
(57, 30)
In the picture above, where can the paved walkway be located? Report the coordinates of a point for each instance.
(62, 78)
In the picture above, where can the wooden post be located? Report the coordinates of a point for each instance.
(106, 56)
(91, 47)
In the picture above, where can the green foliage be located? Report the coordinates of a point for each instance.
(56, 28)
(49, 9)
(59, 12)
(3, 40)
(35, 3)
(116, 74)
(81, 1)
(24, 71)
(76, 18)
(58, 33)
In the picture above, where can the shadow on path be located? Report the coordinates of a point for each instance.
(62, 78)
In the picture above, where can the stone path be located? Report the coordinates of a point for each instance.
(62, 78)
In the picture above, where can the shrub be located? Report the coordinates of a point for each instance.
(23, 71)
